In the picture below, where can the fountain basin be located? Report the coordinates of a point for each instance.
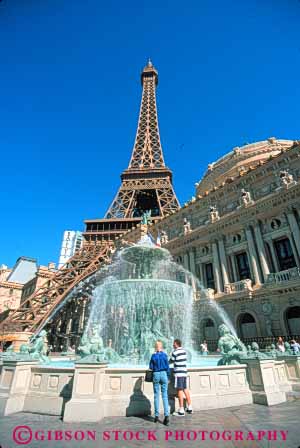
(93, 391)
(89, 392)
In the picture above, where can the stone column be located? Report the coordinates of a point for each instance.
(295, 229)
(192, 262)
(201, 277)
(186, 266)
(261, 252)
(253, 257)
(294, 249)
(292, 367)
(88, 389)
(223, 261)
(234, 269)
(268, 381)
(274, 256)
(216, 267)
(14, 384)
(186, 261)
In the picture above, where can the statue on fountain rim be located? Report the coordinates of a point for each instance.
(256, 353)
(288, 350)
(110, 354)
(91, 346)
(36, 349)
(272, 351)
(230, 347)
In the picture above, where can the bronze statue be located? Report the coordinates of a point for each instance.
(230, 347)
(146, 217)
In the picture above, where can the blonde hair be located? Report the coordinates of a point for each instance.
(158, 344)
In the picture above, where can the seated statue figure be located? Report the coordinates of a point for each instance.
(230, 347)
(37, 349)
(271, 351)
(92, 345)
(256, 353)
(96, 341)
(110, 354)
(288, 350)
(84, 346)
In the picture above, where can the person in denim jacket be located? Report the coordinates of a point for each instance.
(159, 364)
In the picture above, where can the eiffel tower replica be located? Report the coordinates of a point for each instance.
(146, 186)
(146, 183)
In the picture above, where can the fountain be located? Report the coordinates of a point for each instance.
(143, 299)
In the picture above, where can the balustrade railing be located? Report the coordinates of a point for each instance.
(242, 285)
(283, 276)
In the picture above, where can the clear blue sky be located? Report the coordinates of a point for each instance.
(70, 94)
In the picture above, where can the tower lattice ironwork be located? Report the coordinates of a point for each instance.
(147, 182)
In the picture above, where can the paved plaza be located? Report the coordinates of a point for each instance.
(250, 421)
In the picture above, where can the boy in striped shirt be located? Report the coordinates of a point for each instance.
(179, 359)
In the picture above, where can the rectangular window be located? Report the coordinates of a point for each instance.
(209, 275)
(243, 266)
(285, 254)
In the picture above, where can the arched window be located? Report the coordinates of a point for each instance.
(247, 326)
(209, 323)
(247, 319)
(293, 320)
(209, 329)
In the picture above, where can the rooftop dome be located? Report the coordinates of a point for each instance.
(239, 160)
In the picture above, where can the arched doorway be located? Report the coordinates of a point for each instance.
(293, 320)
(247, 326)
(209, 329)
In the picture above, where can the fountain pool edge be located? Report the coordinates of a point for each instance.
(90, 392)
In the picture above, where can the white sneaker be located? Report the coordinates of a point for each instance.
(189, 409)
(179, 413)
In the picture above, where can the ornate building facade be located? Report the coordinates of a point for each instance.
(240, 236)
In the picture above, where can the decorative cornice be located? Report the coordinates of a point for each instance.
(235, 220)
(11, 285)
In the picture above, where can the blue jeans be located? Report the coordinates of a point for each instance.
(160, 381)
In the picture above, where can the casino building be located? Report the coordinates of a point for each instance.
(240, 236)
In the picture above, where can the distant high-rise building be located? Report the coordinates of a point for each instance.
(71, 243)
